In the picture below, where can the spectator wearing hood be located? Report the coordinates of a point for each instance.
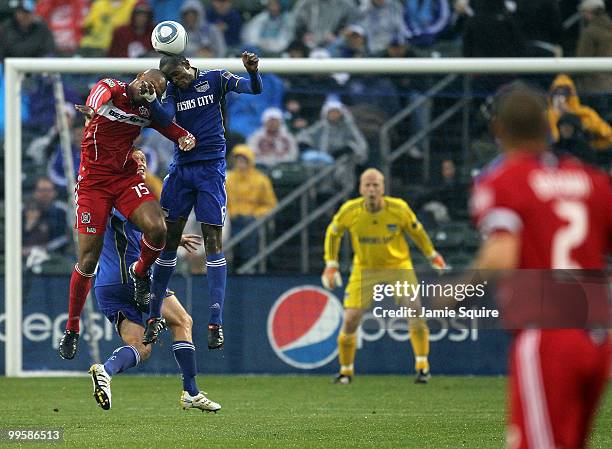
(572, 139)
(203, 38)
(227, 19)
(352, 43)
(104, 16)
(383, 21)
(25, 35)
(596, 41)
(271, 30)
(65, 20)
(249, 196)
(134, 39)
(335, 133)
(272, 143)
(562, 100)
(318, 22)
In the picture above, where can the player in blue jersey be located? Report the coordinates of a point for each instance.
(115, 294)
(196, 179)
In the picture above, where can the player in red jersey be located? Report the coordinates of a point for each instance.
(540, 212)
(110, 175)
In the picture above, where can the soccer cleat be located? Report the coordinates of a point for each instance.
(215, 336)
(68, 345)
(142, 289)
(343, 379)
(101, 383)
(199, 401)
(422, 377)
(154, 327)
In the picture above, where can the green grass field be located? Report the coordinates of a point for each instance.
(271, 412)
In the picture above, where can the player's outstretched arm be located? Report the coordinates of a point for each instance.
(191, 242)
(162, 113)
(185, 140)
(241, 85)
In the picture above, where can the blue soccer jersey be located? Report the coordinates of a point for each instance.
(121, 249)
(198, 109)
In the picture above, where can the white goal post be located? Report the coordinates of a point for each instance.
(16, 68)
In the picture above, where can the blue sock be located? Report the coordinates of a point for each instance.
(123, 358)
(184, 353)
(217, 273)
(162, 272)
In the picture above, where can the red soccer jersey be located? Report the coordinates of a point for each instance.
(561, 208)
(109, 137)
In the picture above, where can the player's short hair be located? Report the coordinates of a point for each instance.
(171, 62)
(521, 110)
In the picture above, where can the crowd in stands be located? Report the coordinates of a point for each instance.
(314, 119)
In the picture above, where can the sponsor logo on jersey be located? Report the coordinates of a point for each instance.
(202, 87)
(204, 100)
(303, 326)
(392, 227)
(85, 217)
(91, 230)
(111, 112)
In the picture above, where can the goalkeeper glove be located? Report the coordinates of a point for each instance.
(437, 262)
(331, 276)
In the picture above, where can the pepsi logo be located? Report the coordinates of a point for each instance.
(303, 327)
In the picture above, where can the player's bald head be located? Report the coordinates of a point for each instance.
(156, 78)
(520, 115)
(372, 174)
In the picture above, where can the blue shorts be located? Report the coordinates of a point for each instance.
(199, 185)
(116, 302)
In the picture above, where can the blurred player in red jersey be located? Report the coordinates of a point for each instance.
(110, 176)
(540, 212)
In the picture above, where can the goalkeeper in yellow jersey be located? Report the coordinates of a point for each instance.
(377, 225)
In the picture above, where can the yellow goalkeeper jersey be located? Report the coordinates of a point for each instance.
(378, 238)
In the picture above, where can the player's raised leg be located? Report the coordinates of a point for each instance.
(165, 265)
(122, 359)
(180, 324)
(149, 218)
(89, 249)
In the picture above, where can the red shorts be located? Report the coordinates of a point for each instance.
(96, 195)
(556, 380)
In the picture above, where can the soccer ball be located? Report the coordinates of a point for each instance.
(169, 38)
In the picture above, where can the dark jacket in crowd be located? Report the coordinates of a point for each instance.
(492, 32)
(35, 41)
(541, 25)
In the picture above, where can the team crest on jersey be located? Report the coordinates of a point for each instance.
(392, 227)
(144, 111)
(85, 217)
(109, 82)
(202, 87)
